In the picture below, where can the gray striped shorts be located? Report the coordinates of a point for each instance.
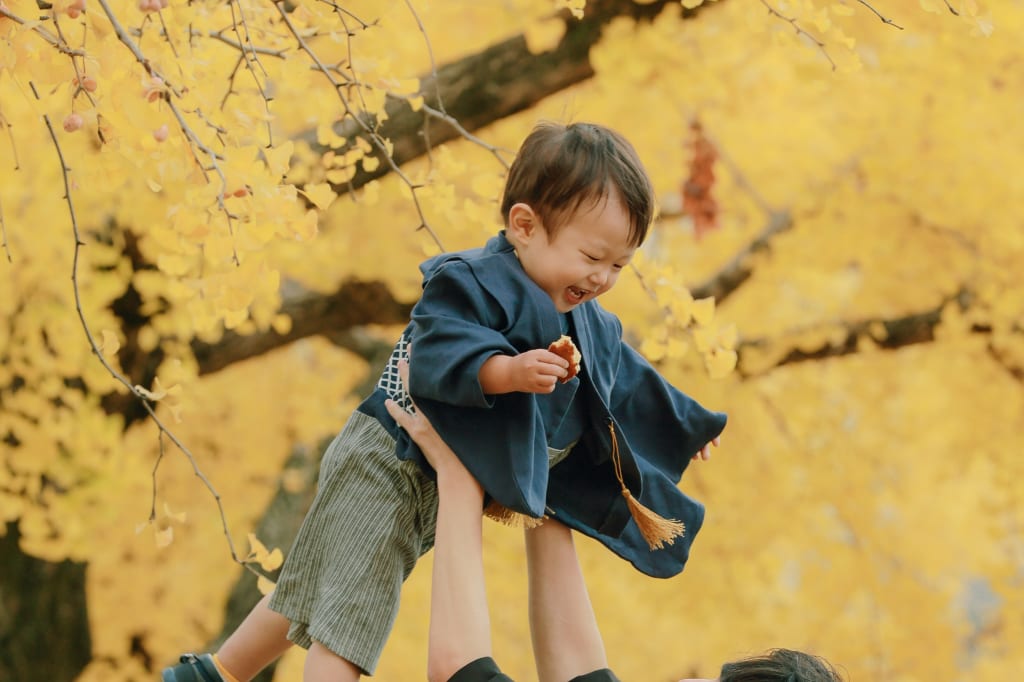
(373, 517)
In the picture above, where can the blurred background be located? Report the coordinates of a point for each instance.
(844, 183)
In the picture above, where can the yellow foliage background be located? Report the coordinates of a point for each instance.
(866, 506)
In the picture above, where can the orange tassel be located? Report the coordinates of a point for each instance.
(503, 515)
(655, 529)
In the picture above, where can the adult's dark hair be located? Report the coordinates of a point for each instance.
(780, 665)
(560, 168)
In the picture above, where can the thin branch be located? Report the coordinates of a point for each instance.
(372, 134)
(4, 123)
(879, 14)
(342, 12)
(156, 467)
(251, 59)
(55, 42)
(137, 391)
(351, 62)
(194, 140)
(430, 53)
(950, 8)
(740, 177)
(79, 78)
(730, 276)
(166, 34)
(3, 234)
(799, 30)
(496, 152)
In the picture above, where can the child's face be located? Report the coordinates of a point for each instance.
(584, 258)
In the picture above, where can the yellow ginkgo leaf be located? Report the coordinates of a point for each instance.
(544, 35)
(371, 163)
(320, 194)
(652, 349)
(273, 560)
(265, 585)
(278, 158)
(157, 393)
(109, 343)
(703, 338)
(720, 362)
(257, 550)
(703, 311)
(727, 336)
(174, 516)
(164, 537)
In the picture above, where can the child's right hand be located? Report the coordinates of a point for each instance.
(537, 371)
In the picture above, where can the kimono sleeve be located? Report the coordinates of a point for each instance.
(663, 425)
(453, 334)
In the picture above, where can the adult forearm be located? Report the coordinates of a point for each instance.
(566, 640)
(459, 620)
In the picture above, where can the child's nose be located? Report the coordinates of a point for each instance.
(600, 276)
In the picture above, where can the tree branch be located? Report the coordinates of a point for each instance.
(354, 304)
(480, 89)
(734, 273)
(845, 336)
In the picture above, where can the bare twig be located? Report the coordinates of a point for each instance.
(430, 53)
(496, 152)
(4, 123)
(251, 61)
(166, 34)
(342, 12)
(950, 8)
(879, 14)
(3, 234)
(156, 468)
(56, 42)
(799, 30)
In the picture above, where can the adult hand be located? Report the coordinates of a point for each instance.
(438, 453)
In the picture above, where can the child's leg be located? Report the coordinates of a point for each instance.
(256, 643)
(323, 665)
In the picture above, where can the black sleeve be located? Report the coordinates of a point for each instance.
(481, 670)
(486, 670)
(602, 675)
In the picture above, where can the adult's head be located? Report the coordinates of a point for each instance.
(561, 169)
(778, 665)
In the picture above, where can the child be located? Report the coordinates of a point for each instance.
(602, 452)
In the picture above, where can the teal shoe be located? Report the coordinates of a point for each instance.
(193, 669)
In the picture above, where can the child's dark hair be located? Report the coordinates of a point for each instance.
(780, 665)
(561, 167)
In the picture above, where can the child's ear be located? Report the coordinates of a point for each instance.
(522, 222)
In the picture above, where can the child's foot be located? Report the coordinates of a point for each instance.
(193, 669)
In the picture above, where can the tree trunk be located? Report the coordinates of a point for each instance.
(44, 624)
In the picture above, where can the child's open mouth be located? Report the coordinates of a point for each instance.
(577, 295)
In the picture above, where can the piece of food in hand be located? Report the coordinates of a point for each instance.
(565, 348)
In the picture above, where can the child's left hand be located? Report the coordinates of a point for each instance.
(705, 452)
